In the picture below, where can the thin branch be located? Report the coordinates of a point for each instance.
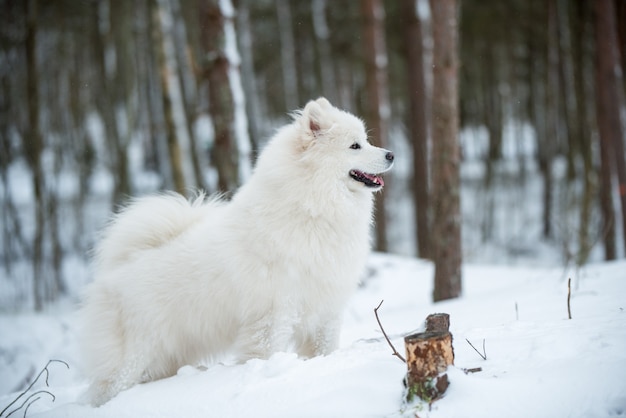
(395, 352)
(28, 402)
(483, 354)
(569, 294)
(44, 370)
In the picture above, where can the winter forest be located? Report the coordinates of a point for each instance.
(103, 100)
(508, 193)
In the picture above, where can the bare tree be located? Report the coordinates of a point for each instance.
(608, 103)
(184, 34)
(33, 147)
(417, 124)
(253, 105)
(166, 62)
(548, 146)
(446, 231)
(378, 110)
(230, 153)
(322, 41)
(287, 53)
(580, 138)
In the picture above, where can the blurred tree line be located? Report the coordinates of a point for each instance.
(103, 99)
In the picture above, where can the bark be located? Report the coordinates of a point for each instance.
(188, 87)
(493, 116)
(620, 23)
(606, 202)
(579, 33)
(547, 147)
(116, 88)
(240, 118)
(149, 69)
(142, 61)
(105, 102)
(215, 70)
(322, 41)
(175, 151)
(446, 232)
(608, 100)
(287, 54)
(492, 112)
(566, 86)
(33, 147)
(377, 96)
(253, 105)
(417, 124)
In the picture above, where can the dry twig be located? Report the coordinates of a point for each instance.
(483, 354)
(29, 399)
(569, 294)
(395, 352)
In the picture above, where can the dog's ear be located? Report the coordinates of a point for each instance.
(324, 103)
(314, 116)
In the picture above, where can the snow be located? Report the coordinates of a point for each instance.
(539, 362)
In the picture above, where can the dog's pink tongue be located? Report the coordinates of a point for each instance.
(375, 179)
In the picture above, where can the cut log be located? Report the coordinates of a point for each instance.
(428, 355)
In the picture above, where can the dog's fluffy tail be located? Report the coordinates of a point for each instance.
(147, 222)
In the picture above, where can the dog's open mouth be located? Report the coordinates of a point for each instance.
(370, 180)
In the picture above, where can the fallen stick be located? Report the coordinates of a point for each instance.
(483, 354)
(395, 352)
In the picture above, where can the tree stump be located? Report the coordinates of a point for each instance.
(428, 355)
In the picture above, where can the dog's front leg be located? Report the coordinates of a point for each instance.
(263, 337)
(321, 340)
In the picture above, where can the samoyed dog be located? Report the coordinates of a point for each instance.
(179, 282)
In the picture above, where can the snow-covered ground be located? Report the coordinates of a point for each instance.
(539, 362)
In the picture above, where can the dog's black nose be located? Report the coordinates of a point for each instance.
(389, 156)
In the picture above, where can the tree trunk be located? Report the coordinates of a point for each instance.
(175, 151)
(579, 33)
(33, 146)
(287, 54)
(254, 110)
(417, 124)
(240, 117)
(322, 41)
(446, 205)
(216, 70)
(188, 90)
(566, 86)
(377, 111)
(547, 147)
(620, 23)
(608, 99)
(105, 103)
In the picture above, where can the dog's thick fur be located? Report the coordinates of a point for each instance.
(178, 282)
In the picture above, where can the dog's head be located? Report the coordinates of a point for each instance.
(336, 142)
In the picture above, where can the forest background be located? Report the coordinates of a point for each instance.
(102, 99)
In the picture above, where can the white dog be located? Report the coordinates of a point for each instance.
(179, 282)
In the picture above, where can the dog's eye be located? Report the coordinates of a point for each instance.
(355, 146)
